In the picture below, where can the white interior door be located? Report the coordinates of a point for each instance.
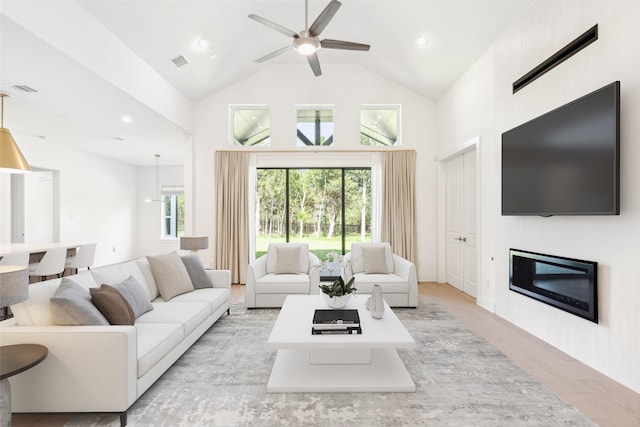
(461, 222)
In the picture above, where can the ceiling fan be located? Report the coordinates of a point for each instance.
(307, 41)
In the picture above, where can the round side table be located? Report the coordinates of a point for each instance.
(13, 360)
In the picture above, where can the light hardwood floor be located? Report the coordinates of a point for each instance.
(606, 402)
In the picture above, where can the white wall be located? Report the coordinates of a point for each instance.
(347, 88)
(97, 198)
(612, 346)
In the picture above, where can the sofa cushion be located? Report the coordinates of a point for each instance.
(188, 314)
(117, 273)
(154, 341)
(150, 283)
(170, 274)
(288, 260)
(196, 271)
(215, 297)
(135, 295)
(272, 256)
(374, 260)
(112, 305)
(357, 260)
(71, 305)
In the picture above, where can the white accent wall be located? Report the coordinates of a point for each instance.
(482, 103)
(346, 87)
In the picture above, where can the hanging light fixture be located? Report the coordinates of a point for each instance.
(157, 199)
(11, 158)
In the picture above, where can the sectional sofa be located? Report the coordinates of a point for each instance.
(106, 368)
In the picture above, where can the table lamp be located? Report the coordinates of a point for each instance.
(194, 243)
(14, 286)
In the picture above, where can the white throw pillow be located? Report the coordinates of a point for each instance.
(170, 274)
(374, 260)
(357, 259)
(272, 256)
(288, 261)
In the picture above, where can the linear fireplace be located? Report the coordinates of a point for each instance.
(568, 284)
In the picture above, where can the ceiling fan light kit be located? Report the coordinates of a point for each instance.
(307, 41)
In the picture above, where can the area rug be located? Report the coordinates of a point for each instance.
(461, 380)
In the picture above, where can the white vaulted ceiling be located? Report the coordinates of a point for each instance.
(93, 61)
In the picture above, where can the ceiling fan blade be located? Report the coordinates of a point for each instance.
(279, 28)
(324, 18)
(274, 54)
(315, 64)
(339, 44)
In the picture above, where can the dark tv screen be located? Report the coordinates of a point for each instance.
(565, 162)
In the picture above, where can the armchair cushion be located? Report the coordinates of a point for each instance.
(288, 261)
(303, 258)
(357, 256)
(374, 260)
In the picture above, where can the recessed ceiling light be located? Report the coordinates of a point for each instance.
(422, 41)
(202, 44)
(126, 119)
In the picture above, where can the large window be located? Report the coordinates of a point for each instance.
(172, 212)
(327, 208)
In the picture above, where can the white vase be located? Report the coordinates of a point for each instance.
(375, 303)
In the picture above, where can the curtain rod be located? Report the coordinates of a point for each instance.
(313, 151)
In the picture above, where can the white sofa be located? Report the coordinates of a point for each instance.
(396, 276)
(106, 368)
(270, 279)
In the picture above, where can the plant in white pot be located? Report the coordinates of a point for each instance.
(338, 293)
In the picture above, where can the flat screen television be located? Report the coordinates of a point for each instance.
(565, 162)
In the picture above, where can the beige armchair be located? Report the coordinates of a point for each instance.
(286, 269)
(374, 263)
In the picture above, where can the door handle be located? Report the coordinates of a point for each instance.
(461, 239)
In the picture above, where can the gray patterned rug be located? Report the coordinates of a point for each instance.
(461, 380)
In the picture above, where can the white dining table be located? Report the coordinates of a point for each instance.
(34, 248)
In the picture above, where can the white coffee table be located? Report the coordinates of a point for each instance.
(367, 362)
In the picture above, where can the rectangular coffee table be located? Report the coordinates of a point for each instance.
(366, 362)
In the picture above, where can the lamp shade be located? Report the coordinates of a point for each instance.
(194, 243)
(14, 284)
(11, 158)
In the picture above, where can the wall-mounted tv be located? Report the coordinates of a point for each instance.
(565, 162)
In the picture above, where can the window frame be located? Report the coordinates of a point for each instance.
(301, 107)
(398, 125)
(249, 107)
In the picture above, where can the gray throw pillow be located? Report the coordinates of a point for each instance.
(132, 291)
(196, 271)
(71, 305)
(170, 274)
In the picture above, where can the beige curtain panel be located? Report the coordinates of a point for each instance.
(232, 204)
(398, 203)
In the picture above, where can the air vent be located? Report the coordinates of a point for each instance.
(25, 88)
(180, 61)
(557, 58)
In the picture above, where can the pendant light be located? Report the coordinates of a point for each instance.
(157, 199)
(11, 158)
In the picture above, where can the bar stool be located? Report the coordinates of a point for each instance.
(20, 258)
(51, 263)
(83, 258)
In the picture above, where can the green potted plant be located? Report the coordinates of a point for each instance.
(338, 293)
